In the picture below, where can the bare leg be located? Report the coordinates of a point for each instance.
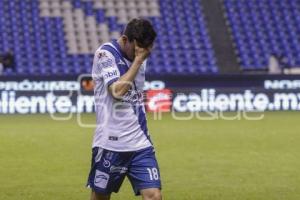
(151, 194)
(96, 196)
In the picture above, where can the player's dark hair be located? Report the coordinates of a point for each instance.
(140, 30)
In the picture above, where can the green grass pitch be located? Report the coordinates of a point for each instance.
(43, 159)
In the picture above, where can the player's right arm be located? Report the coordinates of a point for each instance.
(119, 88)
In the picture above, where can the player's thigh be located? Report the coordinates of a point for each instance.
(144, 171)
(151, 194)
(95, 196)
(107, 172)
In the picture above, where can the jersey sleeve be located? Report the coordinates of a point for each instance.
(107, 67)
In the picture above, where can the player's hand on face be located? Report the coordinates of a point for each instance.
(141, 53)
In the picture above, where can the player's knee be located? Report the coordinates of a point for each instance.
(153, 195)
(96, 196)
(157, 196)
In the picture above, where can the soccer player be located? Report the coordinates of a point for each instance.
(121, 145)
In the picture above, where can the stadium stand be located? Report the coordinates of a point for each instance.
(49, 37)
(265, 28)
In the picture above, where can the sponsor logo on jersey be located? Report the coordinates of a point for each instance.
(133, 97)
(111, 74)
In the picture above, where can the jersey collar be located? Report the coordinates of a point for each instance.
(118, 47)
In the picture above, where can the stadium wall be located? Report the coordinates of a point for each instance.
(217, 93)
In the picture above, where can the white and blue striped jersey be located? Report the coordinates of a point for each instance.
(121, 124)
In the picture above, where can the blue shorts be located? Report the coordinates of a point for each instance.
(109, 169)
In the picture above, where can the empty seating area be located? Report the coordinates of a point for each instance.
(38, 43)
(261, 28)
(59, 37)
(183, 44)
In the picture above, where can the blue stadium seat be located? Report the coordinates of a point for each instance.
(183, 45)
(261, 28)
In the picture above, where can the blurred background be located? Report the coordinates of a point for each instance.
(223, 81)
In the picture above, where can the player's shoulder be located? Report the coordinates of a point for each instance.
(104, 56)
(102, 53)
